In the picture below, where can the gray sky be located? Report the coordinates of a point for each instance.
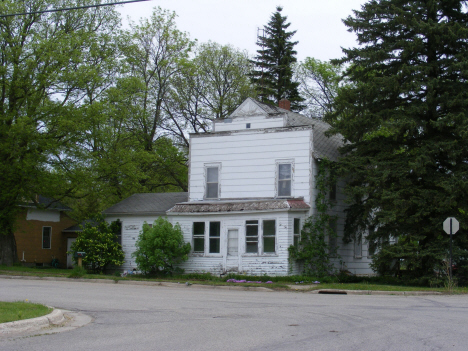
(320, 31)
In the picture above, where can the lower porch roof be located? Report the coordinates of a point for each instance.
(240, 206)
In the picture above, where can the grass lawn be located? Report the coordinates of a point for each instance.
(278, 283)
(15, 311)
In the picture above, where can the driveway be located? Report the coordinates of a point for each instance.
(136, 317)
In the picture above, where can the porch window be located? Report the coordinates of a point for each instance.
(215, 237)
(46, 237)
(269, 236)
(297, 231)
(284, 179)
(251, 236)
(199, 237)
(212, 182)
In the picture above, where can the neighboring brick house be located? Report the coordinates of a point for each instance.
(38, 232)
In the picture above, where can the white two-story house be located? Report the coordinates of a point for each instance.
(251, 187)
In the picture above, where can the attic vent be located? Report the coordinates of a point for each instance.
(247, 125)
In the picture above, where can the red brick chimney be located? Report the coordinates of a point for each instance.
(285, 104)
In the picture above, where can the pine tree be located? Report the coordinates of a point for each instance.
(405, 116)
(273, 74)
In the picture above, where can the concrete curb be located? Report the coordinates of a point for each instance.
(304, 288)
(55, 318)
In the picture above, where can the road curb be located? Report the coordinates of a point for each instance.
(55, 318)
(303, 288)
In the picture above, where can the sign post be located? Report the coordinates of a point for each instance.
(451, 226)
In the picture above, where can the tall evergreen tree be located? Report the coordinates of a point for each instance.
(406, 119)
(273, 74)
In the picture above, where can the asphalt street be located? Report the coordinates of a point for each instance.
(136, 317)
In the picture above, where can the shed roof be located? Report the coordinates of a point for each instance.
(147, 203)
(240, 206)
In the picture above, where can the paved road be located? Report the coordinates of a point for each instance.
(133, 317)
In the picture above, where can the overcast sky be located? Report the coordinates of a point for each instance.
(320, 31)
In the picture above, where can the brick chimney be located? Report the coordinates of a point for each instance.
(285, 104)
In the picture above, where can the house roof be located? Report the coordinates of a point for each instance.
(240, 206)
(46, 203)
(147, 203)
(79, 227)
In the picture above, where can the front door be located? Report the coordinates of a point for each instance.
(232, 258)
(69, 256)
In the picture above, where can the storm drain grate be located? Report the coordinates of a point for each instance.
(336, 292)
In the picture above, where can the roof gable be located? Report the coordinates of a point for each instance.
(252, 107)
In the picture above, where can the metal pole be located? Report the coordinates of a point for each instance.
(450, 249)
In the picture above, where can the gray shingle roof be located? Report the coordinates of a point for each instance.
(148, 203)
(324, 147)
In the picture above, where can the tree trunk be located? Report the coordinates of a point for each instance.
(8, 254)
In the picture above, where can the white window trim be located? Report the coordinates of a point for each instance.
(260, 248)
(211, 165)
(277, 164)
(50, 238)
(206, 240)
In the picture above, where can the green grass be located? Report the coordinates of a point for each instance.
(15, 311)
(278, 283)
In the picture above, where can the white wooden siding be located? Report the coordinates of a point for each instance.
(249, 163)
(256, 122)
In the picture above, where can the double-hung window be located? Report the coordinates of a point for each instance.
(265, 235)
(284, 179)
(212, 182)
(297, 231)
(46, 237)
(199, 237)
(215, 237)
(269, 236)
(251, 236)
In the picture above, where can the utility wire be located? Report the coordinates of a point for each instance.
(71, 8)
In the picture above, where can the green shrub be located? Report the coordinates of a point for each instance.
(99, 242)
(160, 248)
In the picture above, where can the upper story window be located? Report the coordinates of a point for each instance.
(284, 179)
(212, 182)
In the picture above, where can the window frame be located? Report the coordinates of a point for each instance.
(259, 239)
(269, 236)
(257, 224)
(296, 235)
(218, 187)
(198, 236)
(214, 238)
(278, 181)
(50, 237)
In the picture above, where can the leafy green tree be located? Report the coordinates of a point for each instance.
(313, 251)
(160, 247)
(210, 86)
(273, 75)
(319, 82)
(45, 61)
(100, 243)
(405, 116)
